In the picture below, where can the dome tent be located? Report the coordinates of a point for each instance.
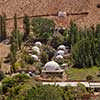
(61, 47)
(52, 66)
(52, 69)
(59, 57)
(60, 52)
(39, 44)
(36, 49)
(35, 57)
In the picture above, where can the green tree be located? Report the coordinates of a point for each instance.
(4, 26)
(15, 22)
(3, 33)
(43, 27)
(26, 23)
(73, 33)
(44, 93)
(16, 42)
(2, 75)
(0, 28)
(44, 57)
(86, 51)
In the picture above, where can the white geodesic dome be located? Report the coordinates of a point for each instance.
(35, 57)
(39, 44)
(59, 57)
(52, 66)
(60, 52)
(61, 47)
(36, 49)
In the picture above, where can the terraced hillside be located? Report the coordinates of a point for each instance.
(44, 7)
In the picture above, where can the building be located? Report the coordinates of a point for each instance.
(52, 69)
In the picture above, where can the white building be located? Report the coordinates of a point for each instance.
(61, 47)
(52, 69)
(38, 44)
(61, 14)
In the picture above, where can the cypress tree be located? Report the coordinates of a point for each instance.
(0, 28)
(15, 22)
(16, 41)
(4, 26)
(26, 23)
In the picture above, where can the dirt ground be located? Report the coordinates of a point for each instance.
(4, 51)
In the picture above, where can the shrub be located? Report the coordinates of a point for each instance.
(28, 59)
(97, 33)
(20, 78)
(26, 22)
(57, 40)
(89, 78)
(7, 83)
(44, 93)
(43, 27)
(44, 57)
(81, 88)
(19, 65)
(0, 89)
(49, 51)
(2, 75)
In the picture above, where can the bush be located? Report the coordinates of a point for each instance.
(0, 89)
(44, 57)
(57, 40)
(43, 27)
(81, 88)
(44, 93)
(28, 59)
(2, 75)
(26, 22)
(7, 83)
(13, 82)
(49, 51)
(89, 78)
(20, 78)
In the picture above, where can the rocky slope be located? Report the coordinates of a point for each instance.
(44, 7)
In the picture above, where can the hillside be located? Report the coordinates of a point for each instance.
(35, 7)
(44, 7)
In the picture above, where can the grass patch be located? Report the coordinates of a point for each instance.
(81, 74)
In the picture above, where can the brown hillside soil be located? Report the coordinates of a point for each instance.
(44, 7)
(4, 51)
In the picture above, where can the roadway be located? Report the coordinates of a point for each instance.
(63, 84)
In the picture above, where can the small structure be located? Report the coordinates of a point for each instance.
(52, 69)
(61, 47)
(59, 57)
(38, 44)
(60, 52)
(61, 14)
(35, 57)
(36, 49)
